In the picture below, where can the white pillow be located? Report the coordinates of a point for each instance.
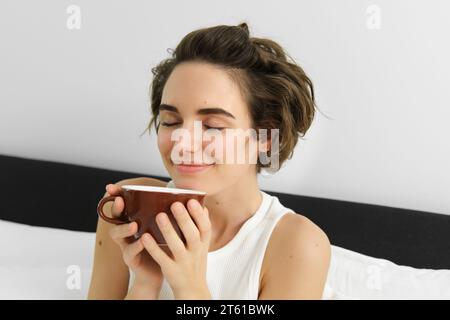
(356, 276)
(49, 263)
(44, 263)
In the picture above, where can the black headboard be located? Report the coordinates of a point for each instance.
(59, 195)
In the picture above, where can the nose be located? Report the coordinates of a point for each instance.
(190, 142)
(192, 137)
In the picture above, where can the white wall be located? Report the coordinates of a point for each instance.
(80, 96)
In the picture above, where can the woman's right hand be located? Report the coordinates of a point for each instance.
(146, 270)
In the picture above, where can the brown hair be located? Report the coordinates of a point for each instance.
(278, 92)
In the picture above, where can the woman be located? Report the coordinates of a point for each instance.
(244, 244)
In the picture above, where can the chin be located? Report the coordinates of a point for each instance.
(187, 183)
(191, 183)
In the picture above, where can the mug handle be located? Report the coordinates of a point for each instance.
(119, 220)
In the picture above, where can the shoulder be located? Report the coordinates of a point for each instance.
(297, 250)
(143, 181)
(295, 233)
(302, 233)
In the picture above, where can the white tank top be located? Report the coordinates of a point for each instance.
(233, 270)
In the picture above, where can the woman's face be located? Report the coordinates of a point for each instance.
(203, 92)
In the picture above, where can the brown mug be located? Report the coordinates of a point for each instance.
(143, 203)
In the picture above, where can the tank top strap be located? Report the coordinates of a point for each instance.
(276, 212)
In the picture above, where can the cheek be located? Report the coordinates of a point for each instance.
(164, 142)
(239, 150)
(229, 150)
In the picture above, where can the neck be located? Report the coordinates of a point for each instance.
(232, 206)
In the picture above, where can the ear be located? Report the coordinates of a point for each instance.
(264, 145)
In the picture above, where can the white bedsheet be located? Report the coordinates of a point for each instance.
(35, 261)
(48, 263)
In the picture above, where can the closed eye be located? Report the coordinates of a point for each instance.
(218, 128)
(165, 124)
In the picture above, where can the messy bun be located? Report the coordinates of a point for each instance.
(278, 92)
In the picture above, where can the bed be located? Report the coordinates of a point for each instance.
(48, 220)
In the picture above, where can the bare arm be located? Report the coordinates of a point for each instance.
(299, 260)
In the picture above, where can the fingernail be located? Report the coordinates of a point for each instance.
(193, 204)
(146, 238)
(162, 219)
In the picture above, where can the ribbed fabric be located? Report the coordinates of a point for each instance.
(233, 270)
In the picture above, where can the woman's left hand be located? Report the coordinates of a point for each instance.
(185, 271)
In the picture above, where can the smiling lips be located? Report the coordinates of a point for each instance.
(192, 168)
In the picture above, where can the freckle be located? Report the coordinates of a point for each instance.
(290, 256)
(100, 243)
(217, 202)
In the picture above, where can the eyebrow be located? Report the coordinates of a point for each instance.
(203, 111)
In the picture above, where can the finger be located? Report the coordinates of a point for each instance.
(120, 232)
(117, 207)
(155, 251)
(201, 218)
(173, 240)
(132, 250)
(113, 189)
(186, 224)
